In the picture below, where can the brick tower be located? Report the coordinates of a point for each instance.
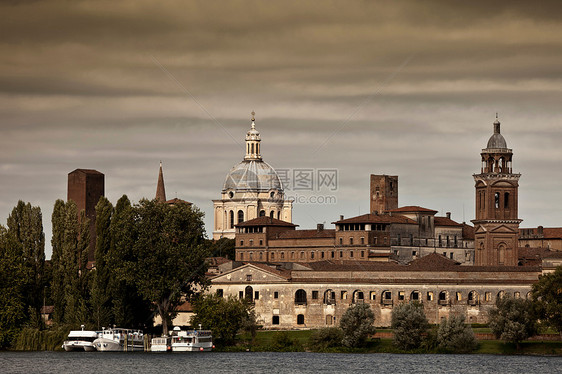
(85, 187)
(496, 224)
(384, 193)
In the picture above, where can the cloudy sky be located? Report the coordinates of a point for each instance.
(406, 88)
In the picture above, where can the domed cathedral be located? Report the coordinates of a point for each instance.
(252, 189)
(496, 224)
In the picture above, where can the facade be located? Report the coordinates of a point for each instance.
(541, 237)
(85, 187)
(315, 295)
(384, 193)
(252, 189)
(496, 224)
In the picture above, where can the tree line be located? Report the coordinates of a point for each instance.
(149, 258)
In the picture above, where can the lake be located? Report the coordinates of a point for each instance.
(270, 362)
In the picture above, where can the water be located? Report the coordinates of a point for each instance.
(253, 362)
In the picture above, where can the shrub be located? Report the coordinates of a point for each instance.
(325, 338)
(456, 336)
(357, 324)
(282, 342)
(512, 320)
(410, 325)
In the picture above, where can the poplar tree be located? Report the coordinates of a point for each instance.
(57, 264)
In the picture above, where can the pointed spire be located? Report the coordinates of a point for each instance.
(160, 190)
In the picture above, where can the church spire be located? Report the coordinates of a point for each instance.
(160, 190)
(253, 142)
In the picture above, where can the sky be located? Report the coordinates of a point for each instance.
(404, 88)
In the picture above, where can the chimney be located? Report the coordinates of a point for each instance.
(448, 215)
(319, 227)
(341, 217)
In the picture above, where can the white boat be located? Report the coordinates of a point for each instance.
(191, 340)
(161, 344)
(118, 339)
(80, 340)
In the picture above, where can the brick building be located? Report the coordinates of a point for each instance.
(85, 187)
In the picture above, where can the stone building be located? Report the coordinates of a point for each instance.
(316, 294)
(496, 224)
(541, 237)
(85, 187)
(252, 189)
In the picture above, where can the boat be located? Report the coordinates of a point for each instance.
(161, 344)
(192, 340)
(119, 339)
(80, 340)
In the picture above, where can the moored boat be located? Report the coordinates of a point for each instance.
(192, 340)
(161, 344)
(118, 339)
(80, 340)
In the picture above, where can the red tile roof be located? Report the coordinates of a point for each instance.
(412, 209)
(265, 221)
(185, 307)
(444, 221)
(377, 218)
(307, 234)
(547, 232)
(467, 231)
(177, 201)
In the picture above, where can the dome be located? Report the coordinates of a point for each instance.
(252, 175)
(497, 141)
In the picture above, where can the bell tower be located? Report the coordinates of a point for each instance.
(496, 224)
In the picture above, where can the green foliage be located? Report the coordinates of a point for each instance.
(226, 317)
(456, 336)
(357, 324)
(223, 247)
(32, 339)
(171, 254)
(512, 320)
(547, 299)
(282, 342)
(410, 325)
(329, 337)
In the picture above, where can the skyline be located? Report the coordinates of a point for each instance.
(405, 89)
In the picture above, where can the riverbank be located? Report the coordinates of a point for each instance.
(298, 341)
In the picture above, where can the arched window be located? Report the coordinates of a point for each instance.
(473, 298)
(300, 297)
(329, 297)
(358, 297)
(501, 294)
(240, 216)
(415, 296)
(249, 293)
(443, 298)
(278, 215)
(501, 254)
(262, 213)
(231, 216)
(386, 298)
(271, 214)
(300, 319)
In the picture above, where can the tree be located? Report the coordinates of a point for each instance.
(357, 324)
(410, 325)
(512, 320)
(456, 336)
(328, 337)
(224, 247)
(101, 298)
(224, 316)
(547, 299)
(57, 260)
(171, 255)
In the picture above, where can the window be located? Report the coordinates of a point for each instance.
(350, 253)
(241, 256)
(262, 213)
(429, 296)
(329, 320)
(314, 295)
(251, 242)
(241, 243)
(414, 253)
(282, 255)
(322, 254)
(451, 255)
(302, 255)
(292, 255)
(275, 295)
(440, 242)
(517, 295)
(343, 295)
(329, 297)
(257, 295)
(240, 216)
(248, 277)
(415, 296)
(341, 241)
(373, 295)
(300, 297)
(231, 219)
(220, 292)
(497, 200)
(333, 254)
(362, 253)
(341, 254)
(488, 296)
(386, 298)
(312, 255)
(458, 296)
(362, 240)
(261, 242)
(273, 255)
(275, 320)
(261, 256)
(350, 241)
(272, 214)
(401, 295)
(506, 200)
(241, 294)
(300, 319)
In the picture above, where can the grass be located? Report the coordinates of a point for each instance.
(297, 341)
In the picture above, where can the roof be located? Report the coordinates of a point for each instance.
(252, 175)
(444, 221)
(547, 232)
(377, 218)
(412, 209)
(265, 221)
(86, 171)
(185, 307)
(177, 201)
(307, 234)
(216, 261)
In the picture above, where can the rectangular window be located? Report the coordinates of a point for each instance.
(373, 295)
(273, 255)
(451, 255)
(333, 254)
(488, 296)
(350, 241)
(276, 295)
(322, 254)
(241, 294)
(458, 296)
(275, 320)
(261, 242)
(401, 295)
(430, 296)
(314, 295)
(220, 292)
(341, 254)
(343, 295)
(241, 243)
(362, 253)
(257, 295)
(251, 242)
(341, 241)
(497, 200)
(350, 253)
(312, 255)
(248, 277)
(506, 200)
(414, 253)
(362, 240)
